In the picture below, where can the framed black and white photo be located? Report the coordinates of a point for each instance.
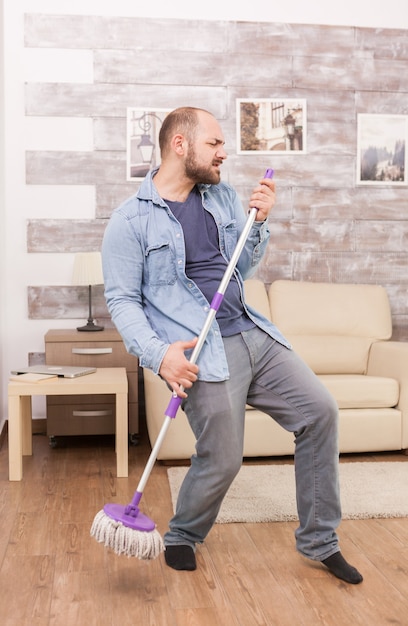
(142, 130)
(275, 125)
(381, 141)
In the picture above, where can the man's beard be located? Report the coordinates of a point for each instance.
(199, 173)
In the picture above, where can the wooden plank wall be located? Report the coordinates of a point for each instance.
(325, 227)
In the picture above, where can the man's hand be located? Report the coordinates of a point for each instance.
(263, 198)
(176, 369)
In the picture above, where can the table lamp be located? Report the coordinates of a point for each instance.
(88, 271)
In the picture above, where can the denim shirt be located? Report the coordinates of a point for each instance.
(151, 300)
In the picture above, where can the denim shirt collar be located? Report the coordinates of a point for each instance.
(148, 191)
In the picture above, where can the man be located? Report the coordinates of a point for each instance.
(164, 253)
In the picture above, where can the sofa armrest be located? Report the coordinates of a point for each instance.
(390, 359)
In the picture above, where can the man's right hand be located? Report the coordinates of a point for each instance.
(176, 369)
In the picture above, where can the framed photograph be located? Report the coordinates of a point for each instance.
(142, 145)
(271, 125)
(381, 141)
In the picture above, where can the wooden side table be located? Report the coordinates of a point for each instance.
(87, 415)
(112, 380)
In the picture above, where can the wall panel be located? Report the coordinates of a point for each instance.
(65, 235)
(324, 227)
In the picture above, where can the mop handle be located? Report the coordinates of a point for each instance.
(216, 302)
(175, 401)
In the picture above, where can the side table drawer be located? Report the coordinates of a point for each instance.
(98, 413)
(93, 400)
(80, 419)
(87, 354)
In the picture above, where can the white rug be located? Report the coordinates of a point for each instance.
(266, 493)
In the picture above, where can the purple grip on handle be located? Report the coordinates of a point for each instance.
(217, 300)
(173, 406)
(269, 173)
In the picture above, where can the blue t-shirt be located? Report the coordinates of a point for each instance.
(205, 264)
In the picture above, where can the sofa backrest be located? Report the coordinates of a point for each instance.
(332, 326)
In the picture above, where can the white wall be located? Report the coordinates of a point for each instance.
(2, 210)
(373, 13)
(18, 269)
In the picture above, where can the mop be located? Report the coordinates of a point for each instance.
(124, 528)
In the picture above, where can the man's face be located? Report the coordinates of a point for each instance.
(206, 152)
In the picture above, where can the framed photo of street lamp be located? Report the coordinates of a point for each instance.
(381, 142)
(275, 125)
(142, 145)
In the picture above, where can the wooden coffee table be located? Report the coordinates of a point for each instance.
(109, 380)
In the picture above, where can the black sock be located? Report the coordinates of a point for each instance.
(180, 557)
(338, 566)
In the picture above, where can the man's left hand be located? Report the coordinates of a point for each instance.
(263, 198)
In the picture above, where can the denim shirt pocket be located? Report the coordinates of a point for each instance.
(229, 238)
(160, 265)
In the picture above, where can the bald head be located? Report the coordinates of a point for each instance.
(183, 121)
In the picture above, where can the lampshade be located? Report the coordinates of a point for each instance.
(87, 269)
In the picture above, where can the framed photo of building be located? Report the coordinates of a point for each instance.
(275, 125)
(381, 141)
(142, 140)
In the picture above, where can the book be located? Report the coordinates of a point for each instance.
(32, 378)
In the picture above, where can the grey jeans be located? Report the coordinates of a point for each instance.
(269, 377)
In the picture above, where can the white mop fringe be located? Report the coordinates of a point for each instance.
(144, 545)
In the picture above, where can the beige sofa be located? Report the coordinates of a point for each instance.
(342, 331)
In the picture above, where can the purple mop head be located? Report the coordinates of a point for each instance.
(127, 531)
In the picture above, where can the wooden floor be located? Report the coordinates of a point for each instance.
(52, 573)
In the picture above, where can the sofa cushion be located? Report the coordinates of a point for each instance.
(255, 295)
(364, 430)
(327, 354)
(332, 326)
(362, 392)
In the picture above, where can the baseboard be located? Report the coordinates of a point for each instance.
(3, 433)
(39, 428)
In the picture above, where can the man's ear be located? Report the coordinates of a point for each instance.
(178, 144)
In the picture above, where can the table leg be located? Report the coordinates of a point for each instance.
(121, 442)
(27, 425)
(15, 438)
